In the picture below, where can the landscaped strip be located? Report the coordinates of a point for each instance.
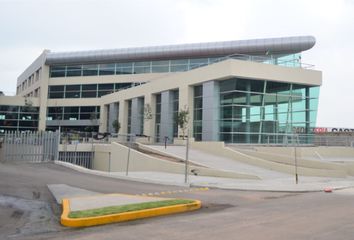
(173, 206)
(126, 208)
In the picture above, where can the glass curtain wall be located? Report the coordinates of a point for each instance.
(175, 112)
(73, 113)
(198, 113)
(129, 125)
(158, 118)
(169, 65)
(141, 115)
(255, 111)
(18, 118)
(87, 90)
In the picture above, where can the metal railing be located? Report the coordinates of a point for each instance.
(288, 139)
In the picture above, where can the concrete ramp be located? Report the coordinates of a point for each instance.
(218, 162)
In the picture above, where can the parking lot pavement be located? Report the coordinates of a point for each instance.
(226, 214)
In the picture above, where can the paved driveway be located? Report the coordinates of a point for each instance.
(217, 162)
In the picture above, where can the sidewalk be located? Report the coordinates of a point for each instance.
(283, 184)
(96, 209)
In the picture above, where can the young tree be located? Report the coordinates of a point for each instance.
(147, 112)
(116, 125)
(182, 120)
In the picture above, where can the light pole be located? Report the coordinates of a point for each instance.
(295, 155)
(186, 180)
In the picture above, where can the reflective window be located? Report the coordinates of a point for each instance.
(124, 68)
(258, 111)
(142, 67)
(198, 112)
(107, 69)
(18, 118)
(89, 91)
(74, 71)
(57, 71)
(173, 65)
(160, 66)
(90, 70)
(86, 90)
(72, 91)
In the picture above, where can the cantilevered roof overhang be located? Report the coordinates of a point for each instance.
(284, 45)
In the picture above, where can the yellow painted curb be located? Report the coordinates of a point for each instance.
(126, 216)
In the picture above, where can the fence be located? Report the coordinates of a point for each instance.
(72, 151)
(282, 139)
(83, 159)
(30, 146)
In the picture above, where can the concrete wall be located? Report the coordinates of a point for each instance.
(287, 156)
(142, 162)
(218, 148)
(18, 101)
(211, 111)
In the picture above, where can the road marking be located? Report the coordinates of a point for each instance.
(173, 192)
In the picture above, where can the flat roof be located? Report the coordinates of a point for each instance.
(283, 45)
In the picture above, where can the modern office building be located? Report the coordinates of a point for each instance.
(248, 91)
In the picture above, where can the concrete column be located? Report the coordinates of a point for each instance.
(103, 118)
(43, 99)
(112, 115)
(166, 126)
(137, 115)
(149, 124)
(123, 116)
(211, 111)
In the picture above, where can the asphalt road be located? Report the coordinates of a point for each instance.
(28, 211)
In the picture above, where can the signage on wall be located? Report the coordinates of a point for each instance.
(333, 130)
(322, 130)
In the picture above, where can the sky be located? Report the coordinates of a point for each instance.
(27, 27)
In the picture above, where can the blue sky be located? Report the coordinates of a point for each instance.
(28, 27)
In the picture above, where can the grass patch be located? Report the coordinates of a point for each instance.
(126, 208)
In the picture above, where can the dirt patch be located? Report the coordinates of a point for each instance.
(24, 217)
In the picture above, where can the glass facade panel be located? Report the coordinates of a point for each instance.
(278, 87)
(175, 104)
(57, 71)
(158, 118)
(74, 71)
(257, 111)
(198, 113)
(199, 62)
(16, 118)
(90, 70)
(124, 68)
(173, 65)
(86, 90)
(73, 113)
(142, 67)
(160, 66)
(107, 69)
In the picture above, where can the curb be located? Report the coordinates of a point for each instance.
(211, 186)
(269, 190)
(127, 178)
(126, 216)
